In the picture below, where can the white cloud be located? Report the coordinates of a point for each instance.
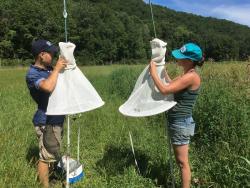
(236, 13)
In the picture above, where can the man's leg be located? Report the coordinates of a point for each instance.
(43, 173)
(45, 158)
(181, 156)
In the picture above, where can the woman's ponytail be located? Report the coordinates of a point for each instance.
(201, 62)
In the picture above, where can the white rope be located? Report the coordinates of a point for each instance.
(65, 14)
(167, 134)
(130, 136)
(152, 16)
(133, 151)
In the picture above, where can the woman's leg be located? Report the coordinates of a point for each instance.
(181, 156)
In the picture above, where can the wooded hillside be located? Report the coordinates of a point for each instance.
(108, 31)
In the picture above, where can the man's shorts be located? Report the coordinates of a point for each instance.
(180, 130)
(44, 155)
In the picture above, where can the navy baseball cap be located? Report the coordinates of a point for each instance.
(188, 51)
(41, 45)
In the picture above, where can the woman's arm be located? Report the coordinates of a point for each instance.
(179, 84)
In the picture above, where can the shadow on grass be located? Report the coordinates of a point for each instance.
(32, 155)
(117, 159)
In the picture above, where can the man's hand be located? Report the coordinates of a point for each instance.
(60, 64)
(48, 85)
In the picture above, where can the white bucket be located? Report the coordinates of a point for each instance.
(75, 169)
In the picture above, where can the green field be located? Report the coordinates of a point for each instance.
(219, 152)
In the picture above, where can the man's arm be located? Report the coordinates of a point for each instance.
(49, 84)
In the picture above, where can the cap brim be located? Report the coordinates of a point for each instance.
(178, 55)
(52, 49)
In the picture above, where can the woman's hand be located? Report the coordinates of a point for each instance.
(155, 77)
(152, 68)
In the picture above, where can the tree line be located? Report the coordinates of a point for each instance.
(111, 31)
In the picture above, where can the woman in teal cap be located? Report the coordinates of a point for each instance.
(185, 89)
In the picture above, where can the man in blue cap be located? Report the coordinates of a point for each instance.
(185, 89)
(41, 80)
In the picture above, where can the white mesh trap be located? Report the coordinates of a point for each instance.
(146, 99)
(73, 92)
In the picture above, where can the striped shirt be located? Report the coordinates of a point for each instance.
(185, 102)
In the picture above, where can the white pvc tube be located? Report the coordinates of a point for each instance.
(68, 152)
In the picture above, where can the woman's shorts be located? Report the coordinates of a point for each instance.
(44, 155)
(180, 130)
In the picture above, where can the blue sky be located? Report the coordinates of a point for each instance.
(234, 10)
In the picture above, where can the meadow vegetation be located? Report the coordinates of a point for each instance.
(219, 151)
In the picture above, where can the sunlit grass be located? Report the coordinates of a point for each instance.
(219, 152)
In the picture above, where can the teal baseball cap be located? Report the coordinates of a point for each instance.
(188, 51)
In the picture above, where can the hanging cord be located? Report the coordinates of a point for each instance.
(152, 16)
(65, 15)
(133, 151)
(130, 136)
(167, 133)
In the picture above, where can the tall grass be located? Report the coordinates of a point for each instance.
(219, 151)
